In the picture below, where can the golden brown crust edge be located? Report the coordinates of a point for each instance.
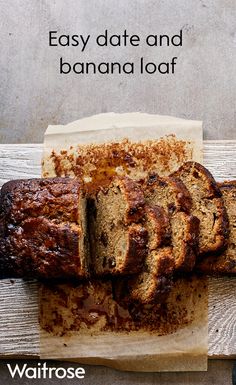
(160, 223)
(222, 264)
(213, 189)
(137, 251)
(221, 224)
(182, 195)
(134, 197)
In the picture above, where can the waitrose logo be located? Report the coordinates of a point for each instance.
(42, 371)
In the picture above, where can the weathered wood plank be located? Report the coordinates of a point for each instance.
(220, 158)
(19, 329)
(19, 335)
(20, 161)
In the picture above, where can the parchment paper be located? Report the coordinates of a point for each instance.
(78, 148)
(185, 349)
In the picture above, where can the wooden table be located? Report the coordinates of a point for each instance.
(19, 329)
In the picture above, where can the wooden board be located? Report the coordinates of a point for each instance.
(19, 332)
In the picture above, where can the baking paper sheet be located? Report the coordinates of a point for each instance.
(186, 348)
(80, 147)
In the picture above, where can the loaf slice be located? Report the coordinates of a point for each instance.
(43, 229)
(167, 192)
(154, 281)
(180, 231)
(157, 223)
(184, 240)
(207, 206)
(173, 196)
(225, 263)
(118, 242)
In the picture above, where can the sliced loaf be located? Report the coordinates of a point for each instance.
(172, 195)
(118, 241)
(207, 206)
(225, 263)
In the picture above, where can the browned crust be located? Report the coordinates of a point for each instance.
(182, 195)
(161, 226)
(213, 189)
(39, 229)
(134, 198)
(221, 225)
(217, 265)
(137, 251)
(55, 198)
(225, 263)
(40, 248)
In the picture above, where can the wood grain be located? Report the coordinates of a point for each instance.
(19, 334)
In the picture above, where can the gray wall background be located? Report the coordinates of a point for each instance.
(33, 94)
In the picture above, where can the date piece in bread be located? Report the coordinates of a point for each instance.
(207, 206)
(43, 229)
(224, 263)
(117, 240)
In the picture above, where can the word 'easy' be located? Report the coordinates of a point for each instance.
(115, 40)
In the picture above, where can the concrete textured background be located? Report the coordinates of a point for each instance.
(33, 94)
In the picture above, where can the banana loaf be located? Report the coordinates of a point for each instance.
(171, 194)
(43, 229)
(118, 241)
(207, 206)
(225, 263)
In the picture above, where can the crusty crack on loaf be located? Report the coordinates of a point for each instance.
(207, 206)
(224, 263)
(118, 241)
(43, 229)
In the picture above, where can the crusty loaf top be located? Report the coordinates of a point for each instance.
(55, 198)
